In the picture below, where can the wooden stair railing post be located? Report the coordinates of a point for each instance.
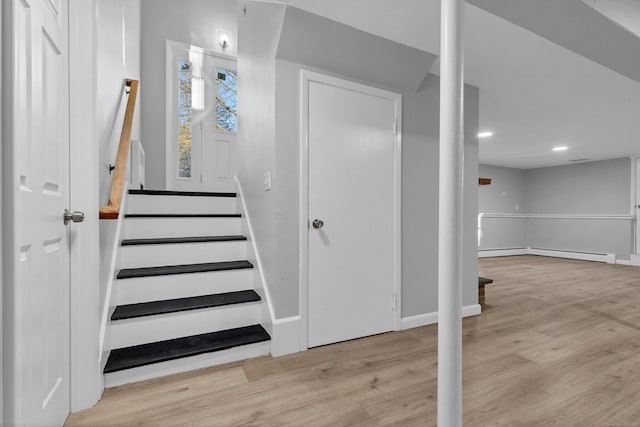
(112, 210)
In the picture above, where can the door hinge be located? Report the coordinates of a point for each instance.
(395, 302)
(395, 126)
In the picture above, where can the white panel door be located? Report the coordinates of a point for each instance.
(40, 323)
(352, 190)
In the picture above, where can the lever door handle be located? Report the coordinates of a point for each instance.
(75, 216)
(317, 223)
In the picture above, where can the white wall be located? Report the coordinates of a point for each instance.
(118, 48)
(192, 22)
(118, 59)
(258, 41)
(552, 203)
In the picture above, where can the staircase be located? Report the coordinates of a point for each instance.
(184, 297)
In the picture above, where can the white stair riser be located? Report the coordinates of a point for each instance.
(187, 364)
(157, 288)
(141, 228)
(139, 256)
(138, 203)
(142, 330)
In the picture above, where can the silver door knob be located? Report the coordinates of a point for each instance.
(317, 223)
(75, 216)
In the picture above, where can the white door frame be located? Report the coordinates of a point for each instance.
(635, 212)
(306, 77)
(170, 99)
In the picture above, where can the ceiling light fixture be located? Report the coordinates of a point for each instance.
(562, 148)
(485, 134)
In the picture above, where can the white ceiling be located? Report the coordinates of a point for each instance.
(534, 94)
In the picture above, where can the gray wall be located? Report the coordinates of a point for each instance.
(506, 194)
(592, 188)
(118, 59)
(420, 171)
(601, 188)
(192, 22)
(263, 148)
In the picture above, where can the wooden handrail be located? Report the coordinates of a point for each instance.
(112, 210)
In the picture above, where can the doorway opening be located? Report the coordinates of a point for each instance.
(202, 119)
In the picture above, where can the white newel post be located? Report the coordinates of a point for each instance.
(450, 216)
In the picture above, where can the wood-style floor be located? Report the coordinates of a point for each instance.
(558, 344)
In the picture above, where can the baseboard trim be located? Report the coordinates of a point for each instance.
(261, 286)
(419, 320)
(114, 266)
(490, 253)
(635, 260)
(583, 256)
(431, 318)
(285, 338)
(623, 262)
(554, 253)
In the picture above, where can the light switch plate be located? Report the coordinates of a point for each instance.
(267, 181)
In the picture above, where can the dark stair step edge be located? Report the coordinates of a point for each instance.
(174, 215)
(180, 193)
(129, 273)
(162, 351)
(170, 240)
(484, 281)
(130, 311)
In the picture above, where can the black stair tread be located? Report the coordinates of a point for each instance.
(180, 193)
(162, 351)
(169, 240)
(165, 270)
(131, 311)
(176, 215)
(484, 281)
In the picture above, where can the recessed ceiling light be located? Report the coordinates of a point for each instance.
(562, 148)
(485, 134)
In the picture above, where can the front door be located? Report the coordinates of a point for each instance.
(353, 198)
(202, 106)
(38, 326)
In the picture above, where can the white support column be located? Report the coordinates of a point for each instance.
(450, 216)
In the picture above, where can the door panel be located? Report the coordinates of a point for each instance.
(352, 190)
(41, 323)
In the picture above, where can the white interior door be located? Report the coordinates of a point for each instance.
(39, 326)
(202, 120)
(352, 266)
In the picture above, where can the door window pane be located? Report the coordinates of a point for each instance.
(185, 116)
(227, 100)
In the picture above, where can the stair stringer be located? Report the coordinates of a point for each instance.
(285, 333)
(113, 232)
